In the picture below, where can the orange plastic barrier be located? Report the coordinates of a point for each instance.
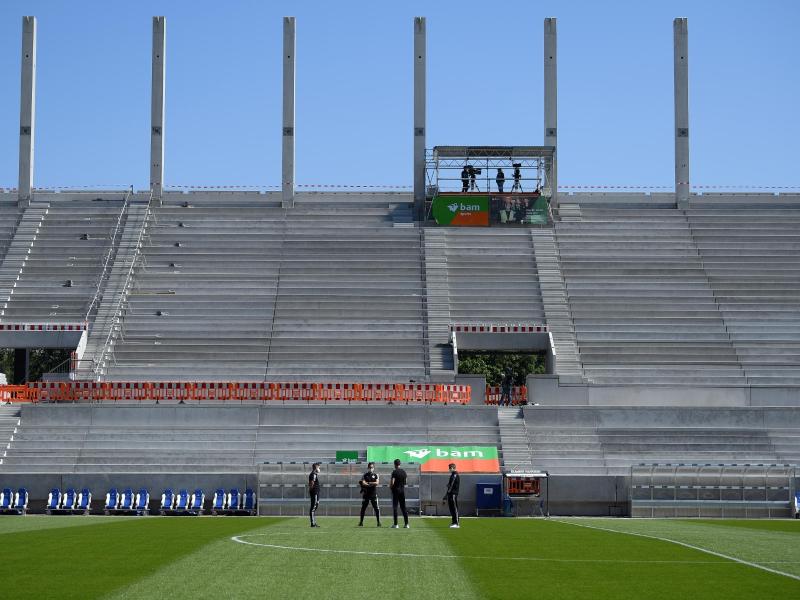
(18, 393)
(519, 395)
(125, 391)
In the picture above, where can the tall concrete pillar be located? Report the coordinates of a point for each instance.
(419, 117)
(287, 171)
(157, 108)
(551, 101)
(681, 38)
(27, 111)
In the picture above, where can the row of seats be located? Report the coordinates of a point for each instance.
(70, 502)
(13, 503)
(129, 502)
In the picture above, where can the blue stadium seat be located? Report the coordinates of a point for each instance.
(21, 501)
(53, 501)
(234, 500)
(84, 501)
(6, 499)
(69, 499)
(127, 500)
(167, 501)
(143, 502)
(182, 501)
(249, 504)
(197, 502)
(112, 501)
(218, 504)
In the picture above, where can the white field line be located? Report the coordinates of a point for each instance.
(238, 539)
(685, 545)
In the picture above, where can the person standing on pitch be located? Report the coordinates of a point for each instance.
(313, 492)
(452, 495)
(369, 489)
(398, 487)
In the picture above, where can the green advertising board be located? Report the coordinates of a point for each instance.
(461, 210)
(345, 456)
(435, 459)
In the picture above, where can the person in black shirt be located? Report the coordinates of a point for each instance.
(398, 487)
(464, 180)
(452, 495)
(313, 492)
(506, 385)
(369, 490)
(501, 180)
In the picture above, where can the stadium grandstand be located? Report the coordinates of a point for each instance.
(215, 334)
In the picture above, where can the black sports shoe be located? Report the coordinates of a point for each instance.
(360, 524)
(379, 524)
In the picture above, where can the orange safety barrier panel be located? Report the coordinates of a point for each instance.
(130, 391)
(519, 395)
(18, 393)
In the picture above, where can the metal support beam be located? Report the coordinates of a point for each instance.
(157, 108)
(551, 101)
(287, 172)
(681, 38)
(27, 111)
(419, 117)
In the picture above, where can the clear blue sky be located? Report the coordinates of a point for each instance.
(354, 89)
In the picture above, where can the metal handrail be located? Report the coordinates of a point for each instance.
(110, 253)
(97, 360)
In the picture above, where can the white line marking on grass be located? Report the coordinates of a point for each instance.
(238, 539)
(685, 545)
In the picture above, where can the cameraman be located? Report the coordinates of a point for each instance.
(464, 180)
(517, 178)
(472, 173)
(501, 180)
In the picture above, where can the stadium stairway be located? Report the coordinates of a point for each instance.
(18, 252)
(556, 307)
(9, 420)
(514, 443)
(114, 292)
(437, 294)
(10, 214)
(643, 307)
(62, 271)
(750, 255)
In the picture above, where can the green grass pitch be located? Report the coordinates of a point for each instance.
(246, 557)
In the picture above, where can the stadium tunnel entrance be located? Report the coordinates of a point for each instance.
(491, 351)
(29, 352)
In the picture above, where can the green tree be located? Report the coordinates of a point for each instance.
(493, 365)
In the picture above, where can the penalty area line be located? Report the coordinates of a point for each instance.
(238, 539)
(685, 545)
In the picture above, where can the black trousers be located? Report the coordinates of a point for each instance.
(370, 500)
(399, 498)
(452, 504)
(312, 511)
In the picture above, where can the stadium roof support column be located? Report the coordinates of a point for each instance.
(419, 117)
(27, 110)
(681, 37)
(287, 173)
(157, 108)
(551, 100)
